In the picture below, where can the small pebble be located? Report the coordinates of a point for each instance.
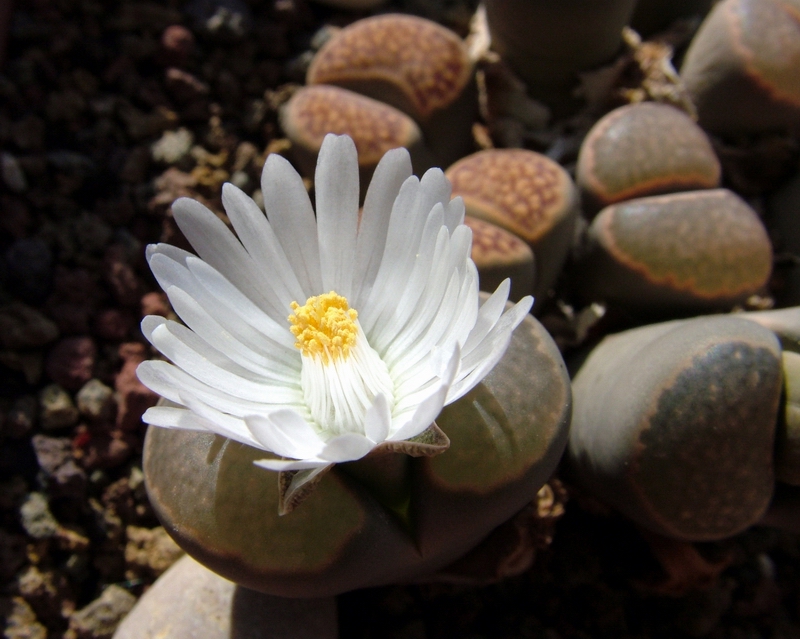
(149, 551)
(121, 278)
(21, 418)
(112, 324)
(29, 262)
(51, 452)
(173, 146)
(224, 19)
(177, 44)
(91, 232)
(134, 397)
(100, 618)
(155, 303)
(24, 327)
(137, 163)
(16, 219)
(71, 361)
(36, 518)
(12, 173)
(56, 408)
(47, 591)
(28, 133)
(107, 449)
(21, 622)
(183, 86)
(65, 478)
(96, 401)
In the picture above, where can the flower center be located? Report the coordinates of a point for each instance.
(324, 327)
(342, 374)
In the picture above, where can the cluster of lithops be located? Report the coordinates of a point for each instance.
(524, 193)
(417, 74)
(667, 241)
(686, 426)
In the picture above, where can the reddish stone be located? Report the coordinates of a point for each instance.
(106, 449)
(74, 285)
(112, 324)
(71, 361)
(155, 303)
(71, 318)
(177, 45)
(121, 278)
(16, 219)
(183, 86)
(134, 397)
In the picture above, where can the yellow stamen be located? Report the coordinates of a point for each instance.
(325, 327)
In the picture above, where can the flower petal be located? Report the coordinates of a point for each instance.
(282, 436)
(242, 319)
(484, 357)
(429, 409)
(218, 247)
(290, 464)
(211, 331)
(489, 313)
(178, 418)
(207, 365)
(258, 238)
(402, 230)
(390, 174)
(336, 188)
(168, 381)
(378, 419)
(292, 218)
(347, 447)
(395, 316)
(223, 424)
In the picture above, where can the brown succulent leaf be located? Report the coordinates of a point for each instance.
(430, 442)
(294, 486)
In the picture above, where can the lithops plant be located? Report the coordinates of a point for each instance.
(741, 68)
(498, 255)
(644, 149)
(313, 112)
(505, 441)
(674, 424)
(675, 254)
(413, 64)
(548, 43)
(308, 449)
(527, 194)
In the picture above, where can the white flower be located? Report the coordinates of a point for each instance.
(319, 339)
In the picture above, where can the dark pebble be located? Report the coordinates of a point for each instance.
(71, 361)
(29, 264)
